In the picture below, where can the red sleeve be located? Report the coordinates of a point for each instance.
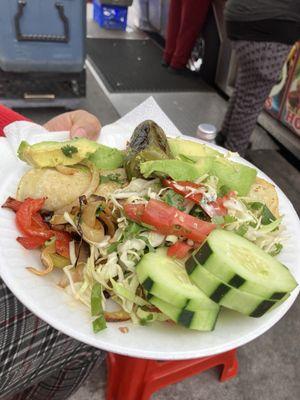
(8, 116)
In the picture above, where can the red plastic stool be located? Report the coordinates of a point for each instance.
(137, 379)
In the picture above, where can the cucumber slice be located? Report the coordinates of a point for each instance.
(164, 278)
(228, 296)
(201, 320)
(243, 265)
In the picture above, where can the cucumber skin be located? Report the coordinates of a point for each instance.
(220, 268)
(231, 297)
(155, 290)
(197, 320)
(187, 296)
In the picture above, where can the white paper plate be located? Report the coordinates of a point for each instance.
(159, 341)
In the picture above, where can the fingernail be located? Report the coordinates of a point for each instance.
(79, 132)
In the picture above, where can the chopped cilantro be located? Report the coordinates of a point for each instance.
(262, 211)
(68, 150)
(174, 199)
(267, 216)
(256, 205)
(132, 230)
(199, 213)
(242, 230)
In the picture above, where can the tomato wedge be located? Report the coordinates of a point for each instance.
(169, 220)
(134, 211)
(30, 222)
(179, 250)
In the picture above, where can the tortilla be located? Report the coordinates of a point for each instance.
(59, 189)
(265, 192)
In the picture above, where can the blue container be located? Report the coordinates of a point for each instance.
(42, 35)
(110, 16)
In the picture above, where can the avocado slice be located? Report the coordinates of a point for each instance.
(238, 177)
(190, 149)
(51, 154)
(177, 169)
(107, 157)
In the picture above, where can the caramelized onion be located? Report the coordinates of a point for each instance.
(77, 275)
(92, 234)
(58, 219)
(46, 261)
(89, 213)
(110, 226)
(116, 316)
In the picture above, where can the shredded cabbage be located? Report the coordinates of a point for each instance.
(112, 261)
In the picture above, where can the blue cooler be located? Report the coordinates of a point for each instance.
(43, 36)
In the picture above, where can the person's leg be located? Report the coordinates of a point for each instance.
(172, 29)
(231, 102)
(61, 384)
(193, 16)
(259, 66)
(36, 361)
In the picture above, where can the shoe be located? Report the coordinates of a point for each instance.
(182, 71)
(220, 139)
(164, 63)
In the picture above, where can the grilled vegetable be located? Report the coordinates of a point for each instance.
(148, 142)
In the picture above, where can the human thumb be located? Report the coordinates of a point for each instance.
(84, 124)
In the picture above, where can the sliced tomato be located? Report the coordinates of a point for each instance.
(31, 243)
(134, 211)
(30, 222)
(169, 220)
(12, 203)
(184, 188)
(191, 227)
(62, 243)
(159, 215)
(179, 250)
